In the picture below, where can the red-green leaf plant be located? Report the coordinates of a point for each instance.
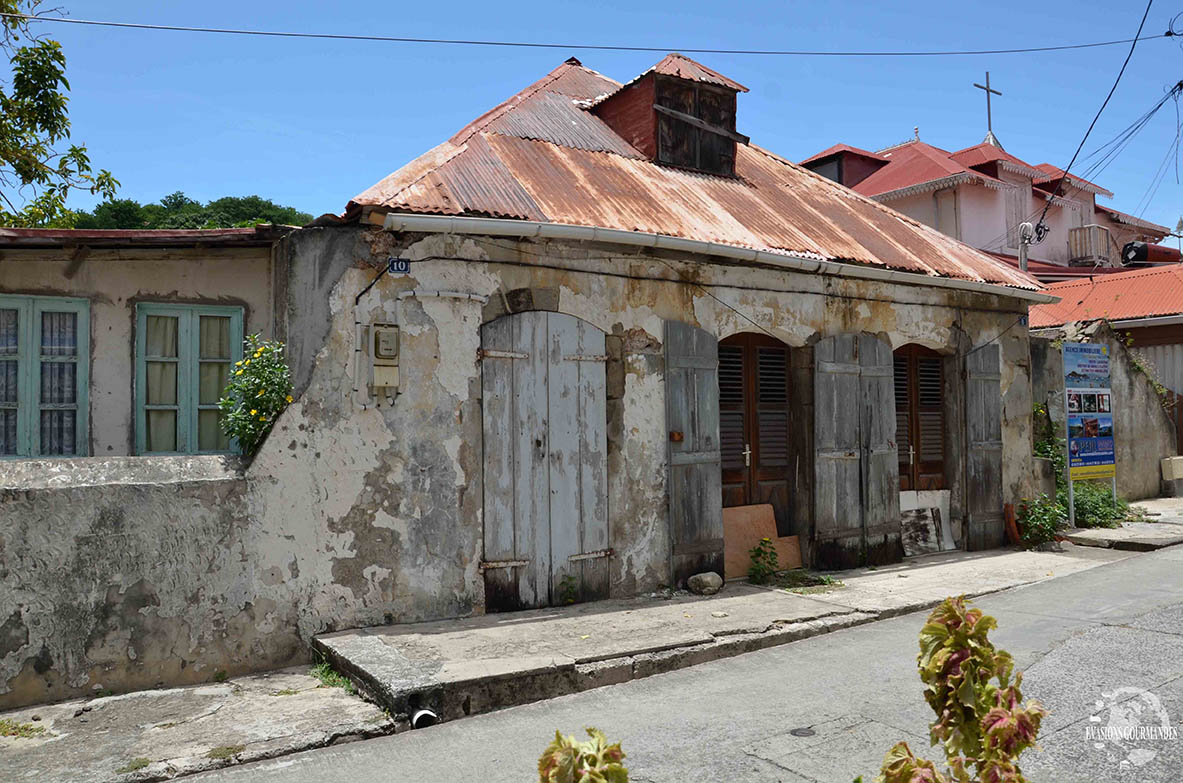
(982, 722)
(567, 760)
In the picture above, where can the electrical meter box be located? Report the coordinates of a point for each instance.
(384, 355)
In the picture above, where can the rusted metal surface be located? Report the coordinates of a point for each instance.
(553, 164)
(683, 67)
(112, 237)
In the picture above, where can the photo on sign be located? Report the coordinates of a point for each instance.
(1103, 403)
(1090, 402)
(1074, 402)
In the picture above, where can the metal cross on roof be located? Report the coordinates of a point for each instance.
(989, 120)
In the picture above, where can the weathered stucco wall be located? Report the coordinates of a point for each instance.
(361, 511)
(114, 281)
(1142, 430)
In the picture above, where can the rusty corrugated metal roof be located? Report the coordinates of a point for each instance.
(560, 163)
(683, 67)
(262, 234)
(1139, 293)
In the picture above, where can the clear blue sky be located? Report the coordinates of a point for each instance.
(312, 123)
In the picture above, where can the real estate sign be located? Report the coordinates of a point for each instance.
(1088, 403)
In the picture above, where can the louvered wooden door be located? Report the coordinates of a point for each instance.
(920, 417)
(754, 424)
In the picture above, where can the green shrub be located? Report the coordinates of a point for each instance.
(764, 562)
(1039, 521)
(1094, 504)
(567, 760)
(981, 721)
(260, 388)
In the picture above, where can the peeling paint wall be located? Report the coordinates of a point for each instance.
(361, 511)
(113, 281)
(1143, 432)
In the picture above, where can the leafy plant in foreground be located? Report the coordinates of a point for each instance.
(567, 760)
(260, 388)
(972, 687)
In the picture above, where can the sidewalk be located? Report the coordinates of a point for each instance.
(1165, 529)
(478, 664)
(465, 667)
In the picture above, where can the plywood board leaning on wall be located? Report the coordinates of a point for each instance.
(743, 527)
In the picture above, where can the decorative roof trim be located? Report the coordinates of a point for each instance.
(1015, 168)
(934, 184)
(1136, 222)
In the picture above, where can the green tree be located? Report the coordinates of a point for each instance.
(177, 210)
(38, 165)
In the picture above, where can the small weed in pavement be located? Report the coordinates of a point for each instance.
(225, 751)
(799, 580)
(133, 765)
(287, 692)
(331, 678)
(10, 728)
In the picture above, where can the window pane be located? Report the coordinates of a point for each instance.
(162, 383)
(58, 384)
(161, 432)
(209, 432)
(161, 335)
(8, 382)
(215, 337)
(214, 376)
(7, 431)
(59, 334)
(8, 332)
(57, 432)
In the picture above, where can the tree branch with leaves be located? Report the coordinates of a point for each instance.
(38, 164)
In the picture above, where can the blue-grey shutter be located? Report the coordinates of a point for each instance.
(695, 478)
(983, 424)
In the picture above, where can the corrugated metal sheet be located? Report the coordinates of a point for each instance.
(262, 234)
(683, 67)
(1167, 363)
(914, 163)
(1139, 293)
(555, 163)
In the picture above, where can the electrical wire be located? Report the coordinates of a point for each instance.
(594, 47)
(1096, 117)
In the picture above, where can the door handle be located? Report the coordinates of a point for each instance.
(747, 455)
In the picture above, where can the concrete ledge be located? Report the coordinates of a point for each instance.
(66, 473)
(1130, 537)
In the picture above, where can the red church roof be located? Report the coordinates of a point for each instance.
(916, 163)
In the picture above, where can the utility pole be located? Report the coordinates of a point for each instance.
(1026, 233)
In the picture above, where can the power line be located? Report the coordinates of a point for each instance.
(1113, 89)
(594, 47)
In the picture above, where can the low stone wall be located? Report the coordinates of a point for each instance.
(125, 573)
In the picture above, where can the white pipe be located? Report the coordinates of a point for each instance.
(803, 262)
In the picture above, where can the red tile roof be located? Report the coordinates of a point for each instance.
(916, 163)
(981, 154)
(1138, 293)
(843, 148)
(542, 156)
(1054, 173)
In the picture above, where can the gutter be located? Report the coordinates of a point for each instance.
(800, 262)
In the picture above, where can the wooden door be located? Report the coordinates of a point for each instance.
(754, 424)
(856, 475)
(983, 420)
(692, 415)
(545, 458)
(920, 417)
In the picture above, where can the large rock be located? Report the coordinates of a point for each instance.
(706, 583)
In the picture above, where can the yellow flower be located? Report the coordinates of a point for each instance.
(289, 398)
(262, 418)
(253, 411)
(248, 361)
(260, 394)
(238, 373)
(238, 363)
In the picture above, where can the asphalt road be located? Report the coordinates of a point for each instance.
(1103, 647)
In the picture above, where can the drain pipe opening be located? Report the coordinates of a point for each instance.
(424, 718)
